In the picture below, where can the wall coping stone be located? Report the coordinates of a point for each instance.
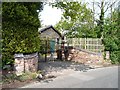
(20, 55)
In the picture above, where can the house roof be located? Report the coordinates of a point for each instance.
(44, 29)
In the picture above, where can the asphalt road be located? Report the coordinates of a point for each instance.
(95, 78)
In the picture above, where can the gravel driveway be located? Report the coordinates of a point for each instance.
(58, 68)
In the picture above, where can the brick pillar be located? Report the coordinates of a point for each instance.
(19, 64)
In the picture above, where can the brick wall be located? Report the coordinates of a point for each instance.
(85, 57)
(26, 63)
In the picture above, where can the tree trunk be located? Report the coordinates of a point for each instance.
(102, 19)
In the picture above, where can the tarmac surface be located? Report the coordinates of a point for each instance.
(75, 75)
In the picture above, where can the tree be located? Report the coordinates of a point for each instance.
(104, 6)
(19, 29)
(77, 19)
(111, 36)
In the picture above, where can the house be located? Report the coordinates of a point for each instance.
(51, 38)
(49, 32)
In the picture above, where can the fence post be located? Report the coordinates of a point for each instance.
(85, 43)
(45, 50)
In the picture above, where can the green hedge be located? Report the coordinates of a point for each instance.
(115, 57)
(20, 25)
(112, 37)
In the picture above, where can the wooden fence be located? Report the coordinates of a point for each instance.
(90, 44)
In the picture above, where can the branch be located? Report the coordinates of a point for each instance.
(98, 4)
(106, 4)
(110, 6)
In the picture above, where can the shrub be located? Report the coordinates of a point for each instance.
(19, 29)
(115, 57)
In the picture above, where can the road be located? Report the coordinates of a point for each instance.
(106, 77)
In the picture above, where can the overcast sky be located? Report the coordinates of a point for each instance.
(50, 16)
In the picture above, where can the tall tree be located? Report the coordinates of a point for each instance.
(77, 19)
(19, 29)
(112, 36)
(104, 6)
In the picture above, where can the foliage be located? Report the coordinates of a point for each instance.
(112, 38)
(108, 30)
(77, 20)
(19, 29)
(28, 76)
(11, 77)
(115, 57)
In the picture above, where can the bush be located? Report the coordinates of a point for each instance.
(8, 78)
(19, 29)
(112, 36)
(115, 57)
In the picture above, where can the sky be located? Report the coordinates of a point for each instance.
(51, 16)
